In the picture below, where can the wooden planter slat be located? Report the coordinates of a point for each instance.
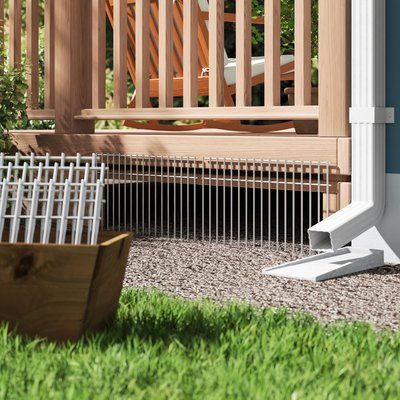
(61, 291)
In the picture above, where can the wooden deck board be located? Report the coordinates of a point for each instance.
(206, 143)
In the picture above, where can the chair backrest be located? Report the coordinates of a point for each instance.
(204, 7)
(154, 37)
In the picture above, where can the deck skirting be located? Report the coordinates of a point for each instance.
(205, 143)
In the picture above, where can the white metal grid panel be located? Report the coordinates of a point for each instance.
(45, 197)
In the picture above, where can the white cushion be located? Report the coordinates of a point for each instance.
(257, 63)
(257, 67)
(203, 4)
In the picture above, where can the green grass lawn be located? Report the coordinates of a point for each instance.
(165, 348)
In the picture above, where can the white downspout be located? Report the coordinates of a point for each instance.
(368, 117)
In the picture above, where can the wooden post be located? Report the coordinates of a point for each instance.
(15, 23)
(49, 33)
(99, 54)
(73, 65)
(32, 48)
(334, 67)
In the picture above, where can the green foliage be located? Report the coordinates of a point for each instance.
(287, 25)
(166, 348)
(287, 28)
(12, 101)
(110, 124)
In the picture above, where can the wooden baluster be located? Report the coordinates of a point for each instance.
(216, 57)
(15, 33)
(166, 50)
(32, 47)
(49, 62)
(334, 67)
(272, 53)
(120, 53)
(243, 52)
(142, 53)
(190, 53)
(302, 82)
(99, 54)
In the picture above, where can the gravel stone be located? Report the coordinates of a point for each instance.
(227, 272)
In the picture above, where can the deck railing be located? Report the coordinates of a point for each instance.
(75, 61)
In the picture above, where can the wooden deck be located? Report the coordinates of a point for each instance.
(74, 80)
(202, 143)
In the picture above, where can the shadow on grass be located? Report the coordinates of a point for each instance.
(152, 316)
(149, 317)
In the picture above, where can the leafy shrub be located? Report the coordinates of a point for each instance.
(13, 88)
(287, 28)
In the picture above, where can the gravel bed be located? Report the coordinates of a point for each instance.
(222, 272)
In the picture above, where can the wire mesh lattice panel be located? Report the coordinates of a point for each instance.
(245, 201)
(47, 198)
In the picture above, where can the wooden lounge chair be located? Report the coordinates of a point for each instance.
(257, 67)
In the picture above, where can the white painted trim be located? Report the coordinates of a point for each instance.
(324, 266)
(372, 115)
(385, 235)
(368, 139)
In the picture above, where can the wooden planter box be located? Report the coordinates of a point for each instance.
(61, 291)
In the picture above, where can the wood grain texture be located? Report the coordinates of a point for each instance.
(98, 54)
(334, 67)
(73, 57)
(344, 194)
(41, 114)
(166, 50)
(32, 49)
(15, 32)
(233, 113)
(272, 52)
(120, 54)
(204, 143)
(216, 53)
(190, 54)
(243, 52)
(59, 292)
(107, 281)
(344, 155)
(44, 289)
(49, 52)
(303, 24)
(339, 197)
(142, 98)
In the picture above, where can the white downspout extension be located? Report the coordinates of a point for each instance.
(368, 117)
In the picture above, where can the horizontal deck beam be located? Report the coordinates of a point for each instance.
(204, 143)
(46, 115)
(224, 113)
